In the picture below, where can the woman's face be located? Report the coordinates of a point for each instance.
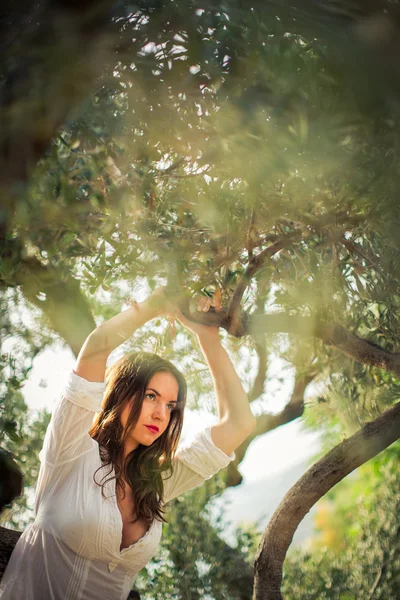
(160, 399)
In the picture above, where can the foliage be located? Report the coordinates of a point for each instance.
(211, 136)
(19, 432)
(363, 561)
(366, 561)
(193, 561)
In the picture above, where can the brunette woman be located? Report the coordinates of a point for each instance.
(110, 464)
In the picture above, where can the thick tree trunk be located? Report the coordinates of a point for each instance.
(315, 483)
(8, 539)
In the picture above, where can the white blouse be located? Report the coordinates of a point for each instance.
(72, 549)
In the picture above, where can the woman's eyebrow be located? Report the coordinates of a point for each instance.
(158, 394)
(153, 390)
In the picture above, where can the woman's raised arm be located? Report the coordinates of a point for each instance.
(236, 420)
(92, 359)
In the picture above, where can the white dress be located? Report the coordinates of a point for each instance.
(72, 549)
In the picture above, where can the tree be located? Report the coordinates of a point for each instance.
(366, 564)
(319, 479)
(226, 150)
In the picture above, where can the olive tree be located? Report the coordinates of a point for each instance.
(220, 150)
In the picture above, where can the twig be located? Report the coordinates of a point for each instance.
(352, 247)
(249, 241)
(258, 385)
(233, 316)
(375, 584)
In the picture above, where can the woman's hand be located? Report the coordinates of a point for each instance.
(159, 303)
(109, 335)
(203, 332)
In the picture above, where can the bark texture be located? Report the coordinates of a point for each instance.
(315, 483)
(8, 539)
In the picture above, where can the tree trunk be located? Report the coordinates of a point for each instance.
(8, 539)
(315, 483)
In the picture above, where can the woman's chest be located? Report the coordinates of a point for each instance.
(131, 532)
(92, 521)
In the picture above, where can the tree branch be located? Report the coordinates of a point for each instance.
(315, 483)
(259, 381)
(256, 263)
(333, 334)
(67, 311)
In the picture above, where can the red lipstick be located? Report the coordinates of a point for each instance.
(152, 428)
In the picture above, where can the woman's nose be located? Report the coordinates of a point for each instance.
(160, 411)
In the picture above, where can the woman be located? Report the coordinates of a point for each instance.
(103, 483)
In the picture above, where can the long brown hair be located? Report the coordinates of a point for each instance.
(143, 467)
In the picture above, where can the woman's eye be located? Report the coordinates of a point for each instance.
(151, 396)
(171, 407)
